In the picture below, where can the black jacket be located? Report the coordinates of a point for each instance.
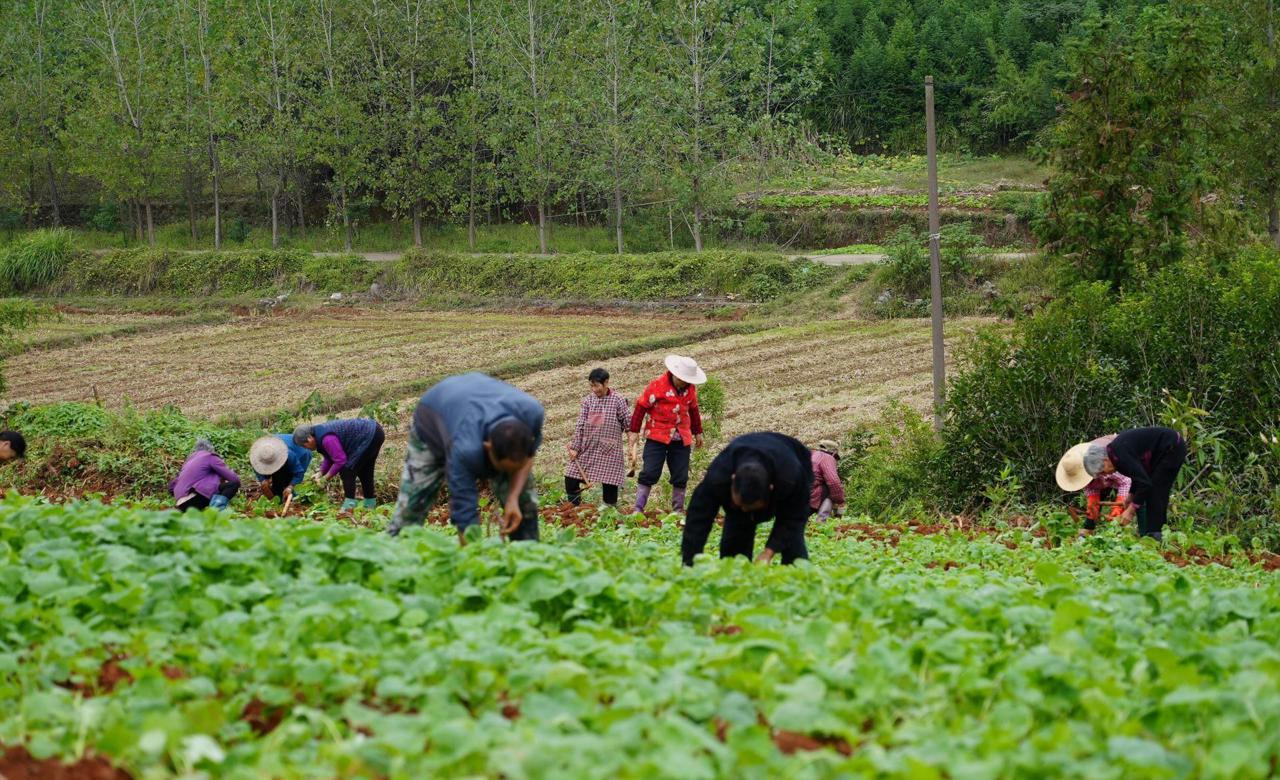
(1135, 453)
(791, 474)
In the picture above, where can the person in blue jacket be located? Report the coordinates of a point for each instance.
(468, 428)
(279, 464)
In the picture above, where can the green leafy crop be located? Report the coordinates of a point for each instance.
(236, 647)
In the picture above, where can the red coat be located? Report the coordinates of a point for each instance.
(668, 411)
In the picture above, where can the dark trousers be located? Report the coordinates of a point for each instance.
(363, 470)
(739, 538)
(675, 455)
(281, 480)
(573, 487)
(1164, 472)
(228, 489)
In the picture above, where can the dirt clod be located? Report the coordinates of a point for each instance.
(18, 764)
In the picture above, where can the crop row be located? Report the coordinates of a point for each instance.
(174, 644)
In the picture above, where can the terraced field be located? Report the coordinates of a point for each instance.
(273, 362)
(810, 381)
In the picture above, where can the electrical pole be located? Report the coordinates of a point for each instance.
(935, 259)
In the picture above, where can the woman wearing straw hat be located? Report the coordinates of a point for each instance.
(671, 403)
(828, 491)
(1149, 457)
(279, 464)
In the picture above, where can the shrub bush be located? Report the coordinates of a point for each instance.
(237, 272)
(889, 465)
(35, 259)
(589, 276)
(1092, 363)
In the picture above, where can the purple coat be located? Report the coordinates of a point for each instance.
(203, 473)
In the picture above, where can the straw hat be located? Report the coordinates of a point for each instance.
(268, 454)
(829, 447)
(685, 368)
(1071, 474)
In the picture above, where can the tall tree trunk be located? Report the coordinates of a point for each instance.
(191, 203)
(346, 218)
(275, 217)
(671, 228)
(217, 194)
(542, 226)
(471, 204)
(617, 212)
(302, 212)
(151, 225)
(417, 224)
(53, 193)
(697, 215)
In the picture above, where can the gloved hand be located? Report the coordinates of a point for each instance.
(1093, 507)
(218, 501)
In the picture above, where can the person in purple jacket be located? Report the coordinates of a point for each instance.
(348, 448)
(204, 481)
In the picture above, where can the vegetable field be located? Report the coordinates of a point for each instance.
(220, 645)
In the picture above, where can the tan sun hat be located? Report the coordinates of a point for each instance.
(268, 455)
(830, 447)
(1071, 474)
(685, 368)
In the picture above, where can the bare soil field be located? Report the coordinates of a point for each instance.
(71, 326)
(272, 362)
(810, 381)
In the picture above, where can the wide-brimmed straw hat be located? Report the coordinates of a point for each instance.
(268, 455)
(830, 447)
(685, 368)
(1071, 474)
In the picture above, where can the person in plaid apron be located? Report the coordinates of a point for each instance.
(595, 453)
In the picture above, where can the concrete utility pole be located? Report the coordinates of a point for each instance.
(935, 259)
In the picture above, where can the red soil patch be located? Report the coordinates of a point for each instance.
(110, 675)
(789, 742)
(262, 717)
(510, 709)
(17, 764)
(726, 630)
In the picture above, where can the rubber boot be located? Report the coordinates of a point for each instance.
(348, 505)
(370, 503)
(677, 499)
(642, 496)
(218, 501)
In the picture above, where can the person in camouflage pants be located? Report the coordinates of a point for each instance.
(466, 430)
(421, 480)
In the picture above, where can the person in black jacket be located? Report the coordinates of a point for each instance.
(1151, 459)
(759, 477)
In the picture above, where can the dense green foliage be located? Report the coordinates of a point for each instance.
(1137, 154)
(596, 277)
(1195, 348)
(82, 447)
(753, 276)
(34, 260)
(293, 647)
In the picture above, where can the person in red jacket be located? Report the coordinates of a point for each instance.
(675, 426)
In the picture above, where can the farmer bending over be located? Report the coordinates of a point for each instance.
(1150, 457)
(204, 481)
(465, 429)
(827, 495)
(348, 448)
(671, 401)
(759, 477)
(1071, 467)
(279, 464)
(12, 446)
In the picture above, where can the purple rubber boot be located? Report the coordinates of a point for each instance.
(677, 499)
(642, 496)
